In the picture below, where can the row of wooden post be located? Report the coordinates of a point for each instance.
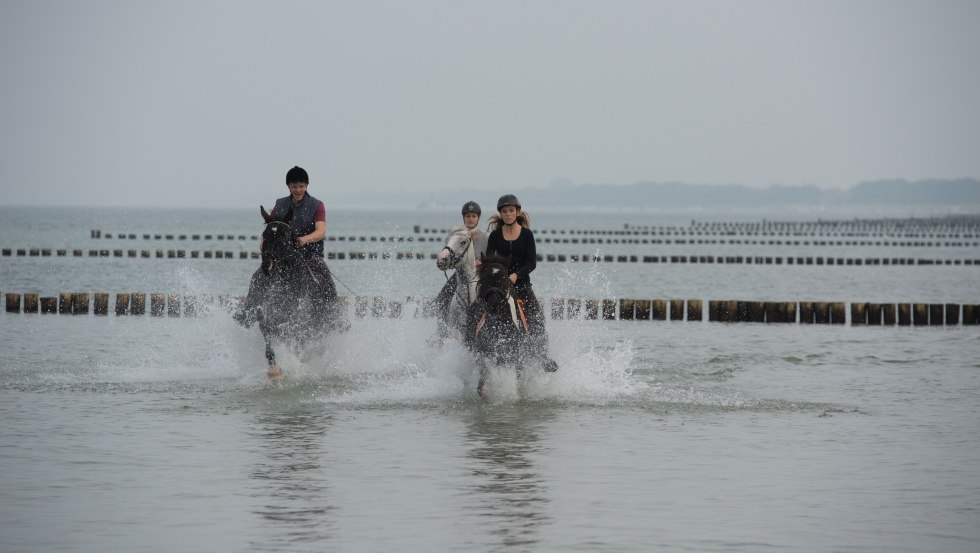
(889, 242)
(804, 312)
(561, 258)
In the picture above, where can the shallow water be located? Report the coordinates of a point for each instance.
(158, 434)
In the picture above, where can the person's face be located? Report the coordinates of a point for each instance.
(471, 219)
(509, 214)
(297, 190)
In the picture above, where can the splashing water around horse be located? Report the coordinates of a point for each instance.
(498, 330)
(292, 298)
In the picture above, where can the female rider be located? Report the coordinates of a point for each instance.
(511, 236)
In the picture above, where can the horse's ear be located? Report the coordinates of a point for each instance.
(265, 215)
(289, 215)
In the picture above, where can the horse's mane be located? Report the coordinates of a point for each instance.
(494, 259)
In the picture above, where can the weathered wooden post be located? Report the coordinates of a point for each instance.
(626, 309)
(137, 304)
(642, 310)
(395, 309)
(936, 314)
(838, 313)
(609, 310)
(695, 311)
(30, 303)
(776, 312)
(49, 305)
(952, 314)
(158, 304)
(79, 303)
(677, 310)
(904, 314)
(592, 309)
(821, 313)
(100, 303)
(190, 306)
(969, 314)
(714, 310)
(920, 314)
(64, 303)
(888, 314)
(173, 306)
(379, 307)
(658, 310)
(13, 302)
(574, 308)
(557, 308)
(874, 314)
(859, 315)
(122, 304)
(750, 312)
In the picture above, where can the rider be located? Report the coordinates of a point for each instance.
(511, 236)
(310, 226)
(471, 220)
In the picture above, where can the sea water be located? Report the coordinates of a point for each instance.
(162, 434)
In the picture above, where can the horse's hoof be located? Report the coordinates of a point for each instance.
(550, 366)
(274, 373)
(483, 390)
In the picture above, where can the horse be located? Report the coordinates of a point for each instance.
(293, 299)
(458, 253)
(498, 328)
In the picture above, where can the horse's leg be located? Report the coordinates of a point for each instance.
(274, 372)
(483, 388)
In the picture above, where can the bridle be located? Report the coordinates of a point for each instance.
(454, 259)
(295, 249)
(503, 295)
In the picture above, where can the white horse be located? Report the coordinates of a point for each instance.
(460, 253)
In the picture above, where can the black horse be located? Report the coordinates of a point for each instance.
(498, 328)
(292, 298)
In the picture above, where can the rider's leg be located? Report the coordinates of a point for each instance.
(338, 317)
(535, 323)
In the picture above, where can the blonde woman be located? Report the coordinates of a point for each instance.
(511, 236)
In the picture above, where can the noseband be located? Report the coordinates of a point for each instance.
(455, 257)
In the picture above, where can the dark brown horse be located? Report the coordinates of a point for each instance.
(498, 330)
(291, 299)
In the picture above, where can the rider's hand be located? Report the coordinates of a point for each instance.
(513, 278)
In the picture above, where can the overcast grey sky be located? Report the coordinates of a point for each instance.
(203, 103)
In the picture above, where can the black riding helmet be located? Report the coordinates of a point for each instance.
(508, 199)
(472, 207)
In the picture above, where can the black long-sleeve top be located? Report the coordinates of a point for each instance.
(522, 252)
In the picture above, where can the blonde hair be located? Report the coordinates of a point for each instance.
(523, 219)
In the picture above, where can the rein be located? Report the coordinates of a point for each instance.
(518, 315)
(463, 303)
(306, 265)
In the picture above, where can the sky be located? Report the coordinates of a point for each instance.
(203, 103)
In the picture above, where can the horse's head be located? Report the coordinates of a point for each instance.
(460, 240)
(494, 285)
(278, 241)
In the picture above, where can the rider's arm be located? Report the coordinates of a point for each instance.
(531, 255)
(319, 227)
(319, 231)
